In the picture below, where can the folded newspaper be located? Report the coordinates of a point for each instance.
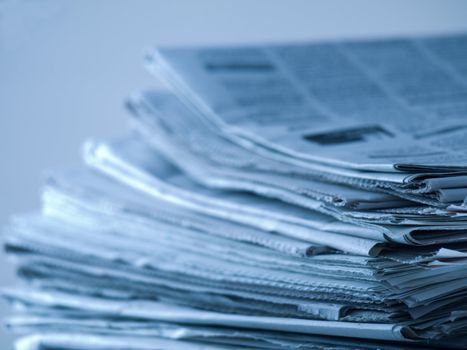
(296, 196)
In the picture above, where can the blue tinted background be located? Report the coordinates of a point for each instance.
(66, 66)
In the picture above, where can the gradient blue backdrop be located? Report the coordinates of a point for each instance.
(66, 66)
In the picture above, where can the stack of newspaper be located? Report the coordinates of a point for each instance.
(298, 196)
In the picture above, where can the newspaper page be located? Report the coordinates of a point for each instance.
(377, 105)
(177, 141)
(172, 313)
(126, 332)
(137, 165)
(180, 131)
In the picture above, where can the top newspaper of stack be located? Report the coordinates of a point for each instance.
(392, 110)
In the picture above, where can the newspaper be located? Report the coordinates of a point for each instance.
(187, 128)
(420, 225)
(207, 149)
(137, 165)
(295, 196)
(60, 329)
(80, 187)
(127, 255)
(171, 313)
(374, 105)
